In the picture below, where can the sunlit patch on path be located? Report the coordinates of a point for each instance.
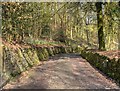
(64, 71)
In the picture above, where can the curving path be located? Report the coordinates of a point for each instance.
(63, 71)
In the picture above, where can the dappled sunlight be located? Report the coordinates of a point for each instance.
(73, 73)
(60, 45)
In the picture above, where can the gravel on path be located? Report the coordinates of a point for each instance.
(63, 71)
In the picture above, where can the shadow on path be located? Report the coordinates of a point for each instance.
(64, 71)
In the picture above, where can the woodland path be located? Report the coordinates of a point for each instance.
(63, 71)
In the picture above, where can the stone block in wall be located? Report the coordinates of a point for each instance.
(45, 53)
(42, 54)
(32, 53)
(22, 60)
(7, 62)
(50, 51)
(62, 49)
(27, 55)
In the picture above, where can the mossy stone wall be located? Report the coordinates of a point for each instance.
(111, 67)
(18, 60)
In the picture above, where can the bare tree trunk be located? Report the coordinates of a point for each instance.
(101, 39)
(119, 31)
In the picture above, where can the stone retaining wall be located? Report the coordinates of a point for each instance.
(18, 60)
(111, 67)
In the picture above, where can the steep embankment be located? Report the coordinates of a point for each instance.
(17, 59)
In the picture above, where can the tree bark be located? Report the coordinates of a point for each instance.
(119, 31)
(101, 38)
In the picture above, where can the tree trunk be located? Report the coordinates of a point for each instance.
(119, 31)
(101, 38)
(119, 39)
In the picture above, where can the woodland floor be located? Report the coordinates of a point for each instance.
(63, 71)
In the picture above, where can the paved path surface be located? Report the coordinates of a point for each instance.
(65, 71)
